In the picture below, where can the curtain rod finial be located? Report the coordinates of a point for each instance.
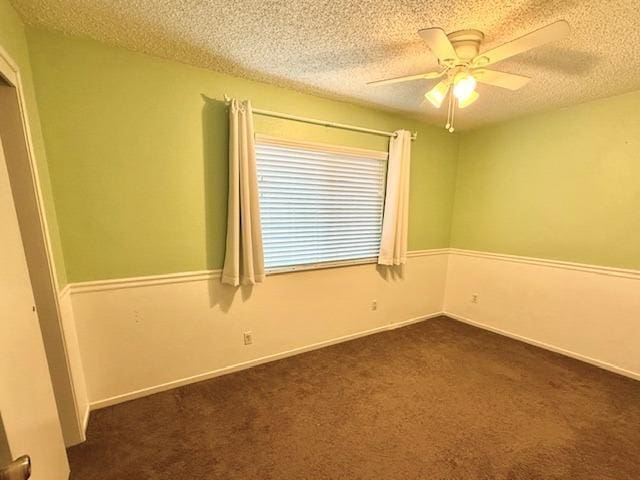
(227, 98)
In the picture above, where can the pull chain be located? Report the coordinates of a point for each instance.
(453, 113)
(451, 110)
(448, 125)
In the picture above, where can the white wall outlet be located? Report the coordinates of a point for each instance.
(247, 337)
(475, 298)
(374, 305)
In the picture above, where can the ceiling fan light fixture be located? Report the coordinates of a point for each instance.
(472, 98)
(464, 86)
(437, 94)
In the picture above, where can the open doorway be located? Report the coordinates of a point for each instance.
(29, 424)
(22, 182)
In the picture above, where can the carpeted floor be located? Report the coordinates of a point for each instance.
(438, 400)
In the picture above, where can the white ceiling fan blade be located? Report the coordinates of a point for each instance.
(439, 43)
(407, 78)
(510, 81)
(537, 38)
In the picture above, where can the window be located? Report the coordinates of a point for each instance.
(319, 205)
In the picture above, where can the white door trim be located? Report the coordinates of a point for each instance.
(11, 73)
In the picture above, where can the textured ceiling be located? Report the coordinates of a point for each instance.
(335, 47)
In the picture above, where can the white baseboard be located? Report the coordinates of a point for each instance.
(251, 363)
(604, 365)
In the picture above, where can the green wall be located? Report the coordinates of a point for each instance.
(561, 185)
(137, 164)
(137, 154)
(13, 40)
(138, 157)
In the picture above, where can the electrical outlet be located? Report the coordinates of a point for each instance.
(475, 298)
(374, 305)
(248, 338)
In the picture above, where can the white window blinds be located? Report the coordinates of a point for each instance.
(319, 204)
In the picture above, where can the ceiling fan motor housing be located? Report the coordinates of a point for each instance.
(466, 44)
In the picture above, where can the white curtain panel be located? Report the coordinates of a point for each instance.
(244, 258)
(393, 244)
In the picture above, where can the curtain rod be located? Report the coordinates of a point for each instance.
(324, 123)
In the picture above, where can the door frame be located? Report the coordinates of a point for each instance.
(63, 381)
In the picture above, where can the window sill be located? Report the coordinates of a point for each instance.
(321, 266)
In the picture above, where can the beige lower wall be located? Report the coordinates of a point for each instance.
(590, 313)
(138, 336)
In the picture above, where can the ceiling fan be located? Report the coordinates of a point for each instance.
(463, 66)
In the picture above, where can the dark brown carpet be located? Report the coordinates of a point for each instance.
(437, 400)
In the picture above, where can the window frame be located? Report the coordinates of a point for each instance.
(382, 156)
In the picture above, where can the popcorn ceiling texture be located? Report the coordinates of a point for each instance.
(333, 48)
